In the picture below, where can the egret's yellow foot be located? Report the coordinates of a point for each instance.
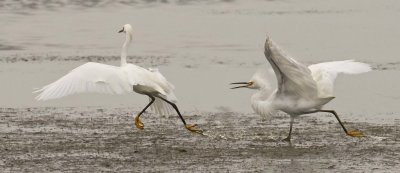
(138, 123)
(355, 133)
(191, 127)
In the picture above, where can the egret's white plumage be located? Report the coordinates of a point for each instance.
(325, 73)
(300, 89)
(102, 78)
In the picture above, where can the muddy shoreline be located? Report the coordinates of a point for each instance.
(105, 139)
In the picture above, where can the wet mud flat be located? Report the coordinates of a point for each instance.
(97, 139)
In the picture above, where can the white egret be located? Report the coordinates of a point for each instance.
(300, 89)
(108, 79)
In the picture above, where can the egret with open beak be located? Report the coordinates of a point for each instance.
(300, 89)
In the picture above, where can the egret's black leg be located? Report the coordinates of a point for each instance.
(337, 117)
(188, 126)
(175, 107)
(352, 133)
(287, 139)
(138, 123)
(148, 105)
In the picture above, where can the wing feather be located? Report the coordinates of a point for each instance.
(101, 78)
(293, 77)
(325, 73)
(89, 77)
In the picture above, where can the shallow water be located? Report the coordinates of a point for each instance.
(201, 47)
(312, 31)
(207, 43)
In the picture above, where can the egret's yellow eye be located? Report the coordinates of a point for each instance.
(250, 83)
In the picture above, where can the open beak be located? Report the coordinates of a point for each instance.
(243, 85)
(122, 30)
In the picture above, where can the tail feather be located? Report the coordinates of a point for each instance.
(161, 107)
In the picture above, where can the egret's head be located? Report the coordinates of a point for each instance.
(258, 81)
(127, 28)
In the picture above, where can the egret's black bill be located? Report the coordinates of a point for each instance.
(122, 30)
(244, 85)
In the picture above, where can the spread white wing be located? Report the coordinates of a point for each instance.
(294, 78)
(89, 77)
(325, 73)
(108, 79)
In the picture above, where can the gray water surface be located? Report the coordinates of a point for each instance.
(200, 46)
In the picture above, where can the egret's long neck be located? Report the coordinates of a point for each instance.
(262, 103)
(124, 51)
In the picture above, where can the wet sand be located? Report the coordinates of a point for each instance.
(102, 139)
